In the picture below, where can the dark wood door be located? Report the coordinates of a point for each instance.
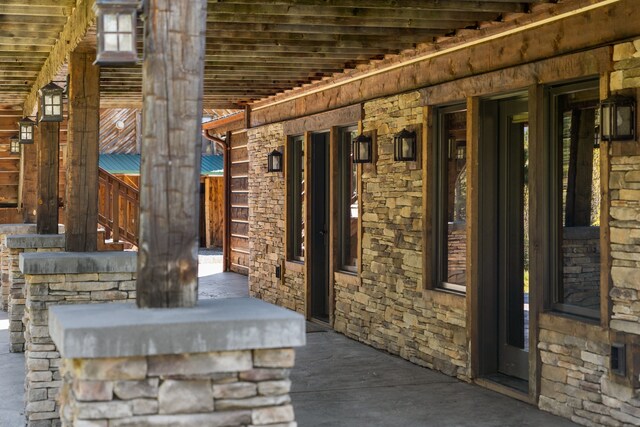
(319, 226)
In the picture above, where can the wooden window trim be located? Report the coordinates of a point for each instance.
(339, 188)
(289, 198)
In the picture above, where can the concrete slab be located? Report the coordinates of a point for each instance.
(339, 382)
(78, 262)
(34, 241)
(121, 330)
(11, 380)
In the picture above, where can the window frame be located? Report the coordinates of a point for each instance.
(345, 159)
(554, 159)
(295, 203)
(440, 249)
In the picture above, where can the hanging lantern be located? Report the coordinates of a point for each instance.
(116, 25)
(14, 145)
(404, 146)
(26, 127)
(274, 161)
(51, 103)
(361, 148)
(617, 116)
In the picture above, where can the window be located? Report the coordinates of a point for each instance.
(296, 198)
(348, 202)
(451, 199)
(575, 204)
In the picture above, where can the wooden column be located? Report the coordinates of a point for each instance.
(81, 196)
(171, 146)
(48, 157)
(29, 172)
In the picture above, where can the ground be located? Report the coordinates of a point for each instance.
(337, 381)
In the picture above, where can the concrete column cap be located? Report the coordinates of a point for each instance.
(34, 241)
(123, 330)
(78, 262)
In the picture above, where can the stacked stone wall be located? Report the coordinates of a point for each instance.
(17, 297)
(5, 262)
(42, 358)
(267, 223)
(228, 388)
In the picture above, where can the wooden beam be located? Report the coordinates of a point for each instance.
(48, 158)
(81, 198)
(170, 169)
(73, 32)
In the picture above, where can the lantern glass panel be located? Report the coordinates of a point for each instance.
(606, 121)
(364, 151)
(407, 148)
(15, 146)
(624, 120)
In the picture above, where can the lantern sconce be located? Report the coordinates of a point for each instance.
(362, 148)
(26, 128)
(116, 31)
(51, 103)
(274, 161)
(617, 118)
(405, 147)
(14, 145)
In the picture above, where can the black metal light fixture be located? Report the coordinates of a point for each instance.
(362, 149)
(51, 103)
(618, 117)
(274, 161)
(404, 146)
(116, 30)
(14, 145)
(25, 130)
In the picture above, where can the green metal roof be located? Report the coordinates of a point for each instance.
(129, 164)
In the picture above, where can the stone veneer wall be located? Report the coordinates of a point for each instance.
(5, 264)
(228, 388)
(266, 225)
(16, 281)
(43, 378)
(576, 381)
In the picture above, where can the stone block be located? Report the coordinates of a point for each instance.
(116, 369)
(88, 390)
(145, 406)
(176, 397)
(264, 374)
(126, 390)
(82, 286)
(101, 410)
(251, 402)
(236, 390)
(270, 388)
(216, 419)
(274, 358)
(199, 363)
(266, 416)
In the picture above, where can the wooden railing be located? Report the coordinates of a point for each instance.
(118, 208)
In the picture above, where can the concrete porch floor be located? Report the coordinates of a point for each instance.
(337, 382)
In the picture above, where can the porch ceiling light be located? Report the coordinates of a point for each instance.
(116, 23)
(404, 146)
(617, 117)
(361, 147)
(274, 161)
(25, 133)
(51, 103)
(14, 145)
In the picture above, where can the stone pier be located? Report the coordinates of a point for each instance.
(63, 278)
(8, 230)
(225, 362)
(15, 245)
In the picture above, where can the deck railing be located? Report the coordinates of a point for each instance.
(118, 208)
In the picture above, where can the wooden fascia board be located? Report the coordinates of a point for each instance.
(591, 26)
(71, 35)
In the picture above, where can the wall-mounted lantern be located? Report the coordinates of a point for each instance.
(25, 133)
(362, 149)
(51, 103)
(14, 145)
(116, 30)
(617, 117)
(274, 161)
(404, 146)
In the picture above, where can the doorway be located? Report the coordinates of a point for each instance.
(505, 241)
(319, 226)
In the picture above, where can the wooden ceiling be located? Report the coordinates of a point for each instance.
(255, 48)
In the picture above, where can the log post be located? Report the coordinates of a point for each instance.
(29, 177)
(171, 146)
(48, 159)
(81, 196)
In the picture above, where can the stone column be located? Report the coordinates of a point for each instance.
(8, 230)
(17, 244)
(223, 363)
(63, 278)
